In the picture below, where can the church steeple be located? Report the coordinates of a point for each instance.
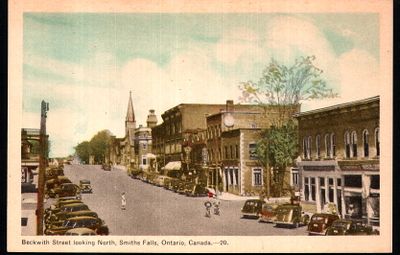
(130, 114)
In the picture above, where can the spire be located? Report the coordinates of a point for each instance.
(130, 115)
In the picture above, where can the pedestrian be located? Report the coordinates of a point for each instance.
(123, 201)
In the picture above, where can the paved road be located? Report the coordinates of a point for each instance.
(152, 210)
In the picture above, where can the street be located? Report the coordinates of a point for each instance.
(153, 210)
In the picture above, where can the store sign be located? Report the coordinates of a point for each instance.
(319, 168)
(360, 167)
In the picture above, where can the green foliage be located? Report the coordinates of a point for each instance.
(282, 85)
(97, 147)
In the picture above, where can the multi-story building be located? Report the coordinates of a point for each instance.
(178, 124)
(143, 143)
(30, 150)
(232, 136)
(340, 158)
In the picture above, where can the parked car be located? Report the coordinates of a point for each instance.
(290, 215)
(106, 167)
(96, 224)
(80, 232)
(61, 203)
(320, 222)
(160, 180)
(173, 184)
(66, 190)
(268, 213)
(62, 216)
(197, 191)
(350, 227)
(252, 208)
(85, 186)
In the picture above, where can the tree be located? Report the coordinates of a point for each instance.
(99, 145)
(83, 151)
(283, 87)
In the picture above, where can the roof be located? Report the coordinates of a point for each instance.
(338, 106)
(130, 114)
(81, 230)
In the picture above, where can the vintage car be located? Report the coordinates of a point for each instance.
(69, 208)
(185, 187)
(173, 184)
(350, 227)
(62, 216)
(80, 232)
(290, 215)
(96, 224)
(252, 208)
(66, 190)
(268, 213)
(106, 167)
(61, 203)
(320, 222)
(160, 180)
(85, 186)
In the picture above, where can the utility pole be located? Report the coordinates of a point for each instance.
(42, 168)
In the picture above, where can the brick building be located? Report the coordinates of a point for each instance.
(339, 162)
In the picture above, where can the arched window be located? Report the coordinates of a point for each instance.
(354, 143)
(347, 144)
(317, 146)
(377, 142)
(365, 143)
(327, 146)
(333, 145)
(305, 147)
(309, 147)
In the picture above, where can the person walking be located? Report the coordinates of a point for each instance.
(123, 201)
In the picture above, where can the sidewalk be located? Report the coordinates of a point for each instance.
(28, 207)
(230, 196)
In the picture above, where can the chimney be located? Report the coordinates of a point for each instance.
(229, 106)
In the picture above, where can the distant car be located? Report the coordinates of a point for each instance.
(290, 215)
(320, 222)
(350, 227)
(106, 167)
(80, 232)
(252, 208)
(96, 224)
(85, 186)
(268, 213)
(160, 180)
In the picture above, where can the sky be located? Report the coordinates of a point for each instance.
(85, 64)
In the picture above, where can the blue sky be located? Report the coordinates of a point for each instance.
(85, 64)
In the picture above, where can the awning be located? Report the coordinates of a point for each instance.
(150, 155)
(173, 165)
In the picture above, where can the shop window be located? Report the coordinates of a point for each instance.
(365, 143)
(306, 189)
(354, 143)
(322, 197)
(236, 170)
(375, 182)
(257, 177)
(317, 146)
(313, 189)
(353, 181)
(377, 142)
(253, 151)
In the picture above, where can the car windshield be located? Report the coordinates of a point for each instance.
(252, 203)
(268, 208)
(319, 219)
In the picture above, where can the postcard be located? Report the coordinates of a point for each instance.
(200, 126)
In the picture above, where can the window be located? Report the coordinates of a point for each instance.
(313, 189)
(257, 177)
(304, 148)
(375, 182)
(144, 146)
(317, 146)
(327, 146)
(377, 142)
(354, 143)
(339, 182)
(231, 176)
(331, 193)
(306, 189)
(226, 152)
(365, 143)
(219, 154)
(144, 159)
(237, 151)
(322, 181)
(333, 144)
(236, 170)
(253, 151)
(353, 181)
(347, 144)
(232, 152)
(172, 129)
(309, 147)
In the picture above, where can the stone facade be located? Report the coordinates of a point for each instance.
(339, 161)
